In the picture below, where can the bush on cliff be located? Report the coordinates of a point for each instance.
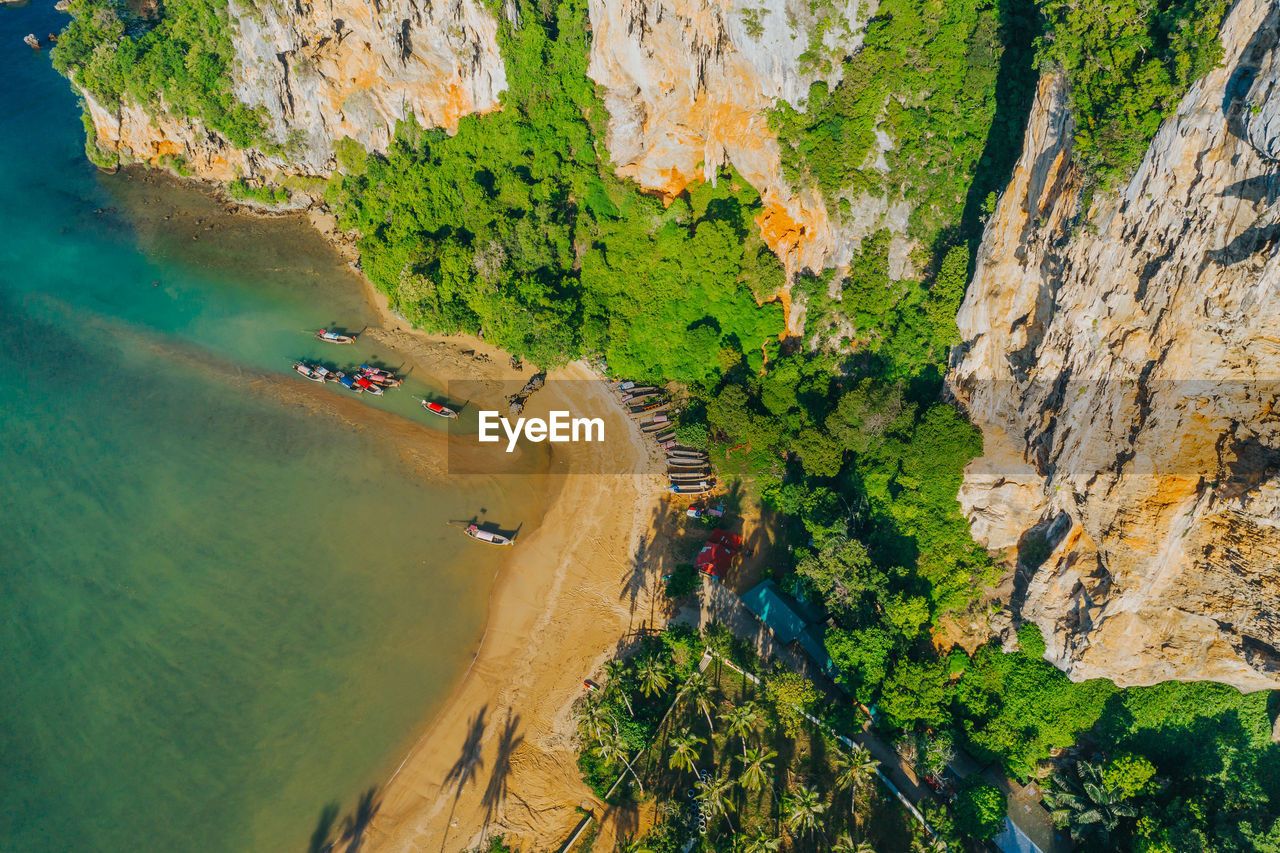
(1129, 63)
(181, 62)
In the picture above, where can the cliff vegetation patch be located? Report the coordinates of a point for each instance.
(179, 62)
(1129, 63)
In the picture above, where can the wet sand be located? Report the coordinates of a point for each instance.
(499, 757)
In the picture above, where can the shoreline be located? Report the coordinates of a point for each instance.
(498, 757)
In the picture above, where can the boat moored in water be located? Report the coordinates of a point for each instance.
(334, 337)
(385, 378)
(314, 372)
(349, 383)
(480, 535)
(437, 409)
(366, 385)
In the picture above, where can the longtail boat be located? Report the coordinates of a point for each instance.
(677, 476)
(385, 378)
(366, 385)
(334, 337)
(309, 371)
(656, 405)
(692, 488)
(485, 536)
(437, 409)
(349, 383)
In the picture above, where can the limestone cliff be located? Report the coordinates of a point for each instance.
(324, 71)
(1124, 366)
(352, 68)
(688, 85)
(135, 134)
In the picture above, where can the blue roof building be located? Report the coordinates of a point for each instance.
(785, 618)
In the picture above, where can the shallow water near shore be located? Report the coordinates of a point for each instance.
(223, 607)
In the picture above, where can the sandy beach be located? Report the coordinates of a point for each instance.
(499, 757)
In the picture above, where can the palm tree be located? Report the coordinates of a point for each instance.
(846, 844)
(684, 751)
(1089, 808)
(759, 843)
(653, 676)
(698, 688)
(804, 810)
(619, 674)
(852, 772)
(713, 796)
(594, 719)
(924, 844)
(757, 763)
(632, 845)
(740, 721)
(614, 747)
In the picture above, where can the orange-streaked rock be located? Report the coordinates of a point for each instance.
(1126, 379)
(689, 86)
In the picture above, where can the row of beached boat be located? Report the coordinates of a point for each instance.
(365, 379)
(688, 469)
(374, 380)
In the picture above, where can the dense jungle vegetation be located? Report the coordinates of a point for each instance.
(517, 228)
(1129, 63)
(182, 59)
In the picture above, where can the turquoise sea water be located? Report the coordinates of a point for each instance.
(222, 607)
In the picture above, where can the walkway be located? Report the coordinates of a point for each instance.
(717, 603)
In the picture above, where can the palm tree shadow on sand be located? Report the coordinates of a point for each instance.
(353, 826)
(496, 791)
(468, 765)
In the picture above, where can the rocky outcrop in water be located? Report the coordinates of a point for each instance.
(1124, 367)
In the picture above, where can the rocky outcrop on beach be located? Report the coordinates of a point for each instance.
(134, 134)
(1123, 364)
(689, 84)
(323, 72)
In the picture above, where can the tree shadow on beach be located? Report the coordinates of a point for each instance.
(655, 557)
(353, 825)
(468, 765)
(320, 838)
(509, 740)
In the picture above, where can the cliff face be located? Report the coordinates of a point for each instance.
(1125, 372)
(688, 85)
(135, 134)
(353, 68)
(324, 71)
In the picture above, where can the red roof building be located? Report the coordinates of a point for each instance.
(716, 556)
